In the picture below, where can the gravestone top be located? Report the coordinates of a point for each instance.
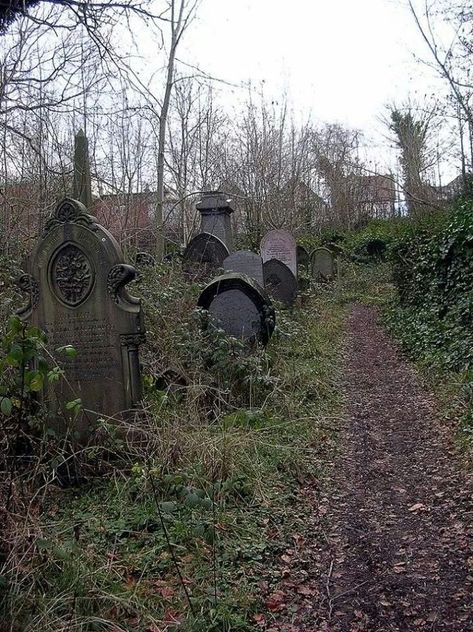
(206, 249)
(280, 244)
(215, 209)
(245, 262)
(76, 283)
(323, 264)
(144, 259)
(240, 307)
(280, 282)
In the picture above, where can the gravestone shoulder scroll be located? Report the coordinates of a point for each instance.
(280, 282)
(280, 244)
(323, 265)
(144, 260)
(245, 262)
(238, 305)
(205, 249)
(76, 283)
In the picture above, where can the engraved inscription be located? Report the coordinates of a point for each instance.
(72, 275)
(94, 342)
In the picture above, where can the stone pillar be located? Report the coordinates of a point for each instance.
(82, 182)
(215, 210)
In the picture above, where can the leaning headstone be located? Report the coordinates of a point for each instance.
(238, 305)
(245, 262)
(145, 260)
(215, 210)
(281, 245)
(280, 282)
(323, 265)
(205, 249)
(76, 280)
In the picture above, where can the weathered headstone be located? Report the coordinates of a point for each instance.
(205, 249)
(323, 265)
(280, 244)
(145, 260)
(245, 262)
(76, 280)
(215, 210)
(280, 282)
(238, 305)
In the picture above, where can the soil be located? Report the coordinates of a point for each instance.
(390, 544)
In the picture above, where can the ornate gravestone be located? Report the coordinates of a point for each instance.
(205, 249)
(245, 262)
(215, 210)
(281, 245)
(145, 260)
(280, 282)
(76, 280)
(323, 265)
(238, 305)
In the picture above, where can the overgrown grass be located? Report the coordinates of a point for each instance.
(176, 519)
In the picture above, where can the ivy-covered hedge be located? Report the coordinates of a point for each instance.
(433, 272)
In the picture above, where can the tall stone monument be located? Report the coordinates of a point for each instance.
(76, 284)
(214, 242)
(215, 216)
(280, 244)
(82, 188)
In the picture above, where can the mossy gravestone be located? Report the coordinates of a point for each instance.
(323, 265)
(76, 280)
(238, 305)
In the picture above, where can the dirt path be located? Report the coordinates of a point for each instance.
(398, 524)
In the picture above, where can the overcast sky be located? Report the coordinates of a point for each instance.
(343, 60)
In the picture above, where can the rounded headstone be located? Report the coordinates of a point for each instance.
(206, 249)
(245, 262)
(240, 307)
(323, 265)
(280, 282)
(280, 244)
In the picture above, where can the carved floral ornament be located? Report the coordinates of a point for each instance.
(72, 276)
(70, 211)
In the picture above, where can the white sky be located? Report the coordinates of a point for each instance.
(342, 60)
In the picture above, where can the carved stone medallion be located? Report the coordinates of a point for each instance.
(71, 275)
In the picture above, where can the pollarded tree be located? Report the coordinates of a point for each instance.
(411, 129)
